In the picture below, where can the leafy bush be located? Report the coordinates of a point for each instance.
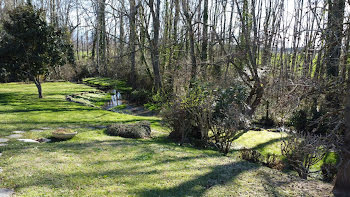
(202, 110)
(299, 120)
(138, 130)
(140, 96)
(188, 115)
(251, 155)
(156, 102)
(176, 117)
(228, 122)
(308, 119)
(153, 107)
(273, 162)
(303, 150)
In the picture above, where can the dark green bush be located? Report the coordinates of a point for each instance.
(156, 102)
(205, 109)
(137, 130)
(176, 117)
(305, 120)
(188, 115)
(266, 122)
(299, 120)
(329, 170)
(140, 96)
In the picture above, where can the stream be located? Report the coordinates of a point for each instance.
(116, 100)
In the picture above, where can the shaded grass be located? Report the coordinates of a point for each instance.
(270, 143)
(94, 164)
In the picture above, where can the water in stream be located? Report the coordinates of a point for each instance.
(116, 99)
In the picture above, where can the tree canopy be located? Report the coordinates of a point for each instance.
(29, 45)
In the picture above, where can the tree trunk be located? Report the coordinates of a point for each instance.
(38, 86)
(101, 38)
(78, 21)
(191, 38)
(204, 56)
(155, 11)
(132, 42)
(342, 182)
(334, 36)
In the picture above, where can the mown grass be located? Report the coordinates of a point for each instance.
(94, 164)
(22, 110)
(107, 83)
(97, 99)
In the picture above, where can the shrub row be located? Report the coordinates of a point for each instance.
(138, 130)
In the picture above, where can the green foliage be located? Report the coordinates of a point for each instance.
(153, 107)
(210, 115)
(251, 155)
(226, 98)
(186, 114)
(305, 120)
(299, 120)
(140, 96)
(227, 122)
(156, 103)
(30, 46)
(138, 130)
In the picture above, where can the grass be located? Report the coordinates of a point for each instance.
(267, 142)
(107, 83)
(94, 164)
(119, 107)
(263, 141)
(97, 99)
(22, 110)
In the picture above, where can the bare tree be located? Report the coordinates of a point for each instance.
(154, 42)
(334, 35)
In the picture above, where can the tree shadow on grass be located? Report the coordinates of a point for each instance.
(272, 141)
(84, 123)
(219, 175)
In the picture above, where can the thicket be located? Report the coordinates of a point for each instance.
(303, 150)
(207, 116)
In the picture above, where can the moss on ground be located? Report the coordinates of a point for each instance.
(107, 83)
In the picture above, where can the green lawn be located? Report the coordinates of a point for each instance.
(94, 164)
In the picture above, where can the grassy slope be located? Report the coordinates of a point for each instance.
(22, 110)
(93, 164)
